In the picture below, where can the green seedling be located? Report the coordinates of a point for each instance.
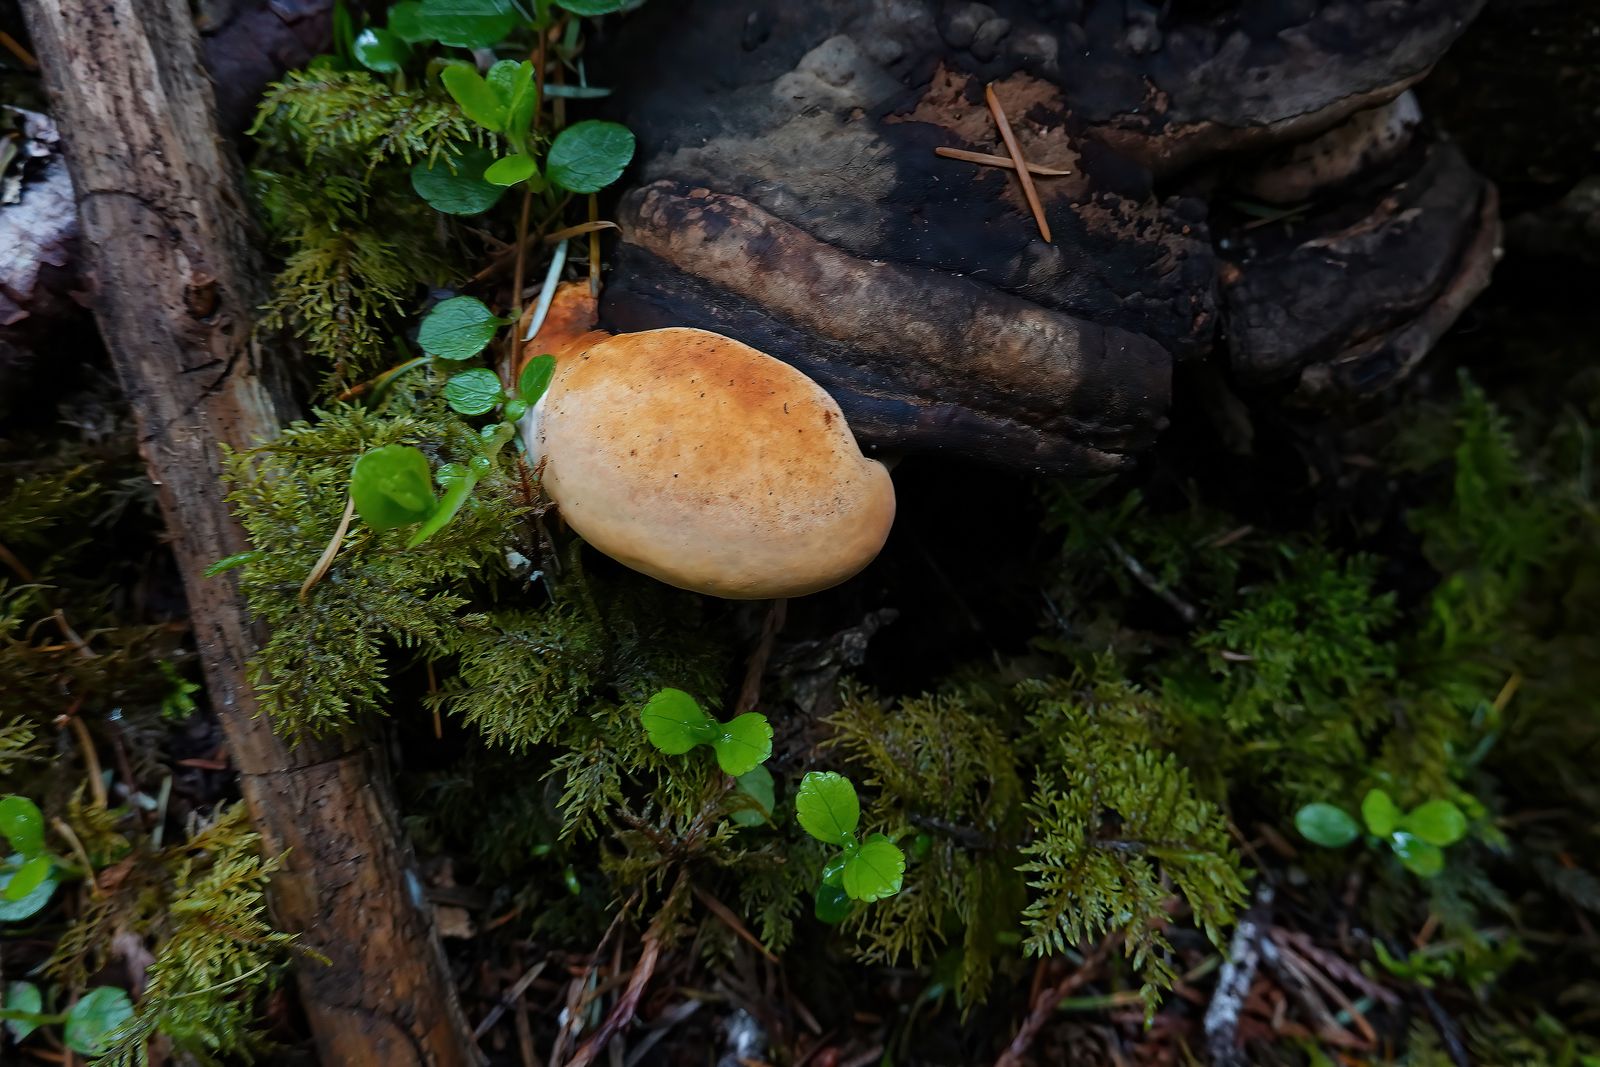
(1417, 838)
(863, 870)
(676, 723)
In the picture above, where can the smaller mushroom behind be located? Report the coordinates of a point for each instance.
(702, 462)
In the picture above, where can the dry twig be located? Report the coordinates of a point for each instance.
(1023, 176)
(1046, 1002)
(1038, 170)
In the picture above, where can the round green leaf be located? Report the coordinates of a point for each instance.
(467, 23)
(743, 744)
(1419, 857)
(510, 170)
(405, 22)
(478, 101)
(675, 722)
(1437, 822)
(381, 51)
(22, 824)
(473, 392)
(458, 328)
(90, 1021)
(16, 910)
(392, 487)
(588, 156)
(455, 185)
(827, 807)
(874, 870)
(23, 997)
(26, 878)
(1379, 812)
(832, 904)
(1326, 825)
(757, 785)
(535, 378)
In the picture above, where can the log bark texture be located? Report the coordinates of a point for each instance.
(169, 250)
(790, 193)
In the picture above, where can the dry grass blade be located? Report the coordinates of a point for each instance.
(722, 911)
(325, 560)
(580, 229)
(1023, 176)
(1038, 170)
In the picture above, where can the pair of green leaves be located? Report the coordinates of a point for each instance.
(458, 329)
(1418, 837)
(89, 1023)
(27, 875)
(676, 723)
(871, 869)
(584, 158)
(504, 102)
(476, 391)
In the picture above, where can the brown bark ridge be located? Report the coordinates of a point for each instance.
(167, 239)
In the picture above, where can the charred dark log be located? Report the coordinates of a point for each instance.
(791, 197)
(1343, 300)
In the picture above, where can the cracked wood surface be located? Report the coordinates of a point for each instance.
(174, 277)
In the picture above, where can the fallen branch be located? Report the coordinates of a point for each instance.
(1233, 984)
(161, 207)
(1048, 1000)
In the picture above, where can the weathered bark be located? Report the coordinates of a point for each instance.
(790, 196)
(168, 246)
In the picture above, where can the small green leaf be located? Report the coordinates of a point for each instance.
(510, 170)
(458, 482)
(514, 84)
(743, 744)
(875, 870)
(757, 785)
(455, 185)
(1326, 825)
(228, 563)
(591, 8)
(827, 807)
(22, 824)
(478, 100)
(675, 722)
(28, 906)
(535, 379)
(832, 904)
(23, 998)
(405, 22)
(392, 487)
(1438, 822)
(1421, 858)
(91, 1021)
(833, 870)
(1379, 812)
(381, 51)
(473, 392)
(26, 878)
(467, 23)
(458, 328)
(590, 155)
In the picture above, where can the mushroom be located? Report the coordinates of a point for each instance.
(701, 461)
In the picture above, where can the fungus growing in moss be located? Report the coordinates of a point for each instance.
(702, 462)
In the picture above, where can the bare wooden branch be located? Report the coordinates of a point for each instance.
(168, 243)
